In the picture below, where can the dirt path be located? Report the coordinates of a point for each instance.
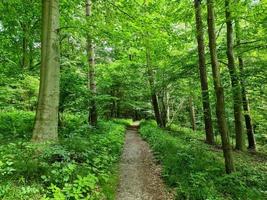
(139, 175)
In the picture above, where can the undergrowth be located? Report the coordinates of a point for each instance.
(82, 165)
(196, 170)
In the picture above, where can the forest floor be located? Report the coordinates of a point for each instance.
(139, 175)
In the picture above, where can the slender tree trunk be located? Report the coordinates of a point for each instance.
(92, 118)
(25, 47)
(118, 103)
(46, 122)
(166, 101)
(154, 98)
(192, 113)
(156, 108)
(236, 90)
(248, 120)
(163, 108)
(167, 106)
(31, 56)
(203, 74)
(113, 105)
(245, 101)
(220, 105)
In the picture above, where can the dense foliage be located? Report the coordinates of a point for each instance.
(83, 165)
(119, 30)
(69, 68)
(195, 169)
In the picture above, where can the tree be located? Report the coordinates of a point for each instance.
(236, 90)
(245, 101)
(220, 104)
(192, 113)
(203, 74)
(92, 118)
(46, 122)
(20, 34)
(154, 98)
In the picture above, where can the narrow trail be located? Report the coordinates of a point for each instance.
(139, 175)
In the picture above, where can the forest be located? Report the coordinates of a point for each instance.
(133, 99)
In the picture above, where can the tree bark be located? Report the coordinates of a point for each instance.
(118, 103)
(46, 122)
(220, 104)
(92, 118)
(156, 108)
(163, 108)
(203, 74)
(25, 47)
(113, 104)
(168, 106)
(236, 90)
(245, 101)
(192, 113)
(154, 98)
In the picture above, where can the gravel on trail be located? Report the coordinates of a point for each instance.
(139, 175)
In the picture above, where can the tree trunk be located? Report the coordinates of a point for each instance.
(154, 98)
(192, 113)
(113, 105)
(156, 108)
(25, 47)
(46, 122)
(248, 120)
(92, 118)
(203, 74)
(31, 56)
(118, 110)
(168, 106)
(236, 90)
(163, 107)
(220, 105)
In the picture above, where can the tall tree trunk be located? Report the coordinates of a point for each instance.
(168, 106)
(220, 105)
(92, 118)
(46, 122)
(113, 104)
(203, 74)
(154, 98)
(236, 90)
(25, 47)
(118, 103)
(166, 101)
(245, 101)
(31, 56)
(163, 107)
(192, 113)
(156, 108)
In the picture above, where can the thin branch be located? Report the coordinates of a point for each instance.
(219, 31)
(248, 42)
(125, 13)
(223, 62)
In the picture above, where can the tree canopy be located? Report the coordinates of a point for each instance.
(196, 64)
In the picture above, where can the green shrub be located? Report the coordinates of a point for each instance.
(125, 122)
(197, 171)
(73, 125)
(16, 124)
(80, 166)
(19, 93)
